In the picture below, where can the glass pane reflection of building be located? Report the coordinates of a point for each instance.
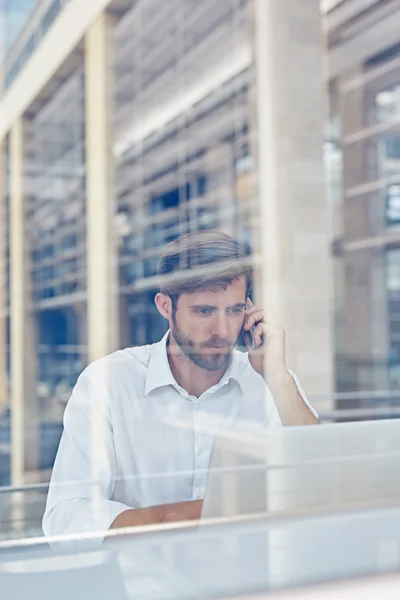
(181, 139)
(183, 163)
(393, 290)
(366, 88)
(55, 178)
(5, 434)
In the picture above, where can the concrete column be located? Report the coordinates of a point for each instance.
(293, 236)
(102, 313)
(3, 291)
(24, 447)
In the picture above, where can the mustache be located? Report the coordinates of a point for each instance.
(217, 343)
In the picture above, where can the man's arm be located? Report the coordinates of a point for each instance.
(267, 358)
(79, 499)
(167, 513)
(291, 407)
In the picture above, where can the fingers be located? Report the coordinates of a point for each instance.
(257, 335)
(255, 339)
(253, 318)
(250, 303)
(247, 340)
(255, 314)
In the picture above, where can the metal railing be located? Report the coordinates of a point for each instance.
(21, 510)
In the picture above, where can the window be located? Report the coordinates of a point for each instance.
(389, 156)
(387, 103)
(150, 266)
(392, 148)
(146, 324)
(393, 204)
(393, 304)
(165, 201)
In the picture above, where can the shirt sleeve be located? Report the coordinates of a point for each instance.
(303, 394)
(273, 418)
(83, 479)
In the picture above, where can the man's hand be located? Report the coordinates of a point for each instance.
(166, 513)
(183, 511)
(268, 360)
(269, 341)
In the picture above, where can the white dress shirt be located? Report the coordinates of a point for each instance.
(134, 438)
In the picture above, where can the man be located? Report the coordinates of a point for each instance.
(139, 427)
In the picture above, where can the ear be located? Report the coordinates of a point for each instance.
(164, 305)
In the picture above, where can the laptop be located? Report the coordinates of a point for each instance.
(253, 470)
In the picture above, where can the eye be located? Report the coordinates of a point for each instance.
(203, 311)
(236, 311)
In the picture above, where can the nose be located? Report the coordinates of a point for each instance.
(220, 326)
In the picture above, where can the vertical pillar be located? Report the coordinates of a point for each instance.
(3, 266)
(102, 313)
(24, 448)
(293, 236)
(3, 291)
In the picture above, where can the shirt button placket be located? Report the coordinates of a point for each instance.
(197, 492)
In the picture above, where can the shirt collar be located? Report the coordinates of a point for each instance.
(234, 371)
(159, 372)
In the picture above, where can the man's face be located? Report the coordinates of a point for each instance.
(206, 324)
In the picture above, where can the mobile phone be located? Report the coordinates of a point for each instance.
(248, 336)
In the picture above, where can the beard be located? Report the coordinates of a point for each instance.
(197, 353)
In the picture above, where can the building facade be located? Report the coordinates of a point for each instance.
(125, 124)
(364, 78)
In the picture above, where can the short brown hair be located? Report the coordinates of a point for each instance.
(198, 260)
